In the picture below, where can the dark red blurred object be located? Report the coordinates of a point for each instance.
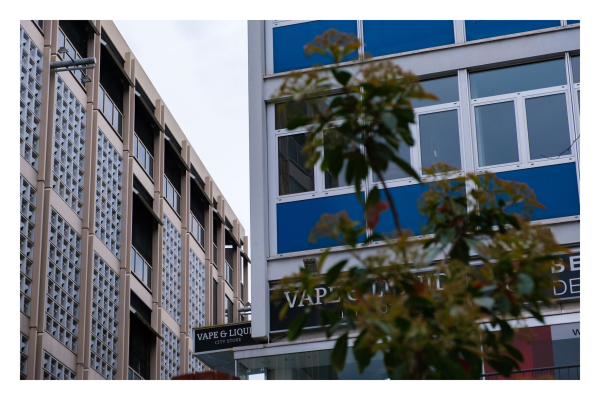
(207, 376)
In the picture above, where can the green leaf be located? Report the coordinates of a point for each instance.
(341, 76)
(514, 352)
(297, 325)
(362, 352)
(334, 271)
(406, 167)
(485, 302)
(503, 303)
(373, 197)
(298, 121)
(389, 120)
(525, 284)
(338, 356)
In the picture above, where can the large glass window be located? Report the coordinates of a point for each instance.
(228, 310)
(575, 66)
(446, 90)
(393, 171)
(294, 177)
(481, 29)
(289, 41)
(389, 37)
(521, 113)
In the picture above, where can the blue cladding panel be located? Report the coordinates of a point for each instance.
(390, 37)
(554, 186)
(289, 41)
(405, 199)
(296, 219)
(485, 29)
(573, 21)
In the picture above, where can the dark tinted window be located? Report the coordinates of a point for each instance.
(446, 89)
(294, 177)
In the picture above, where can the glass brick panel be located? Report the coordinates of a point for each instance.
(171, 275)
(195, 365)
(109, 178)
(55, 370)
(32, 60)
(24, 355)
(169, 354)
(28, 196)
(69, 147)
(105, 319)
(197, 292)
(64, 263)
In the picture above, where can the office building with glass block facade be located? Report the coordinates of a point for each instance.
(127, 243)
(509, 95)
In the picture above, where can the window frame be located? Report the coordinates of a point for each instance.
(518, 99)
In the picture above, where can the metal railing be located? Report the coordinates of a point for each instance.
(172, 196)
(133, 376)
(197, 229)
(110, 110)
(228, 273)
(567, 372)
(141, 268)
(144, 157)
(66, 51)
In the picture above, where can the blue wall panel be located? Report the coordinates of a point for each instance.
(554, 186)
(289, 41)
(484, 28)
(405, 199)
(296, 219)
(390, 37)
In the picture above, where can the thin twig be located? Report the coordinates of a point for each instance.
(567, 149)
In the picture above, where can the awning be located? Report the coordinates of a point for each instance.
(219, 217)
(149, 111)
(177, 152)
(202, 190)
(118, 63)
(145, 203)
(93, 26)
(143, 321)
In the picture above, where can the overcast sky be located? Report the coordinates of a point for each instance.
(200, 69)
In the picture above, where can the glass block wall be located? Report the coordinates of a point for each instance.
(32, 60)
(171, 275)
(28, 195)
(69, 147)
(109, 178)
(197, 292)
(24, 355)
(170, 356)
(195, 365)
(64, 262)
(105, 319)
(55, 370)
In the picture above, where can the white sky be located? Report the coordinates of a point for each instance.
(200, 69)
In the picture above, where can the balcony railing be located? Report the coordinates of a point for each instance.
(173, 196)
(228, 273)
(110, 111)
(70, 54)
(568, 372)
(214, 254)
(141, 268)
(134, 376)
(197, 229)
(144, 157)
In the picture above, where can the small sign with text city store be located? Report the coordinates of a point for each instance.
(222, 337)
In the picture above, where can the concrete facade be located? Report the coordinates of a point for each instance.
(80, 156)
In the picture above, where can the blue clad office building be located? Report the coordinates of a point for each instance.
(509, 95)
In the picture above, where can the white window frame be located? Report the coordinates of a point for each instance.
(525, 161)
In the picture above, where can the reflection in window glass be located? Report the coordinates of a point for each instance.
(393, 171)
(446, 89)
(518, 78)
(496, 134)
(481, 29)
(547, 126)
(575, 66)
(439, 138)
(294, 177)
(284, 114)
(339, 181)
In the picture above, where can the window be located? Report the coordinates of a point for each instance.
(197, 230)
(110, 111)
(576, 80)
(521, 113)
(294, 177)
(289, 41)
(228, 273)
(439, 138)
(389, 37)
(72, 43)
(484, 29)
(141, 268)
(228, 310)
